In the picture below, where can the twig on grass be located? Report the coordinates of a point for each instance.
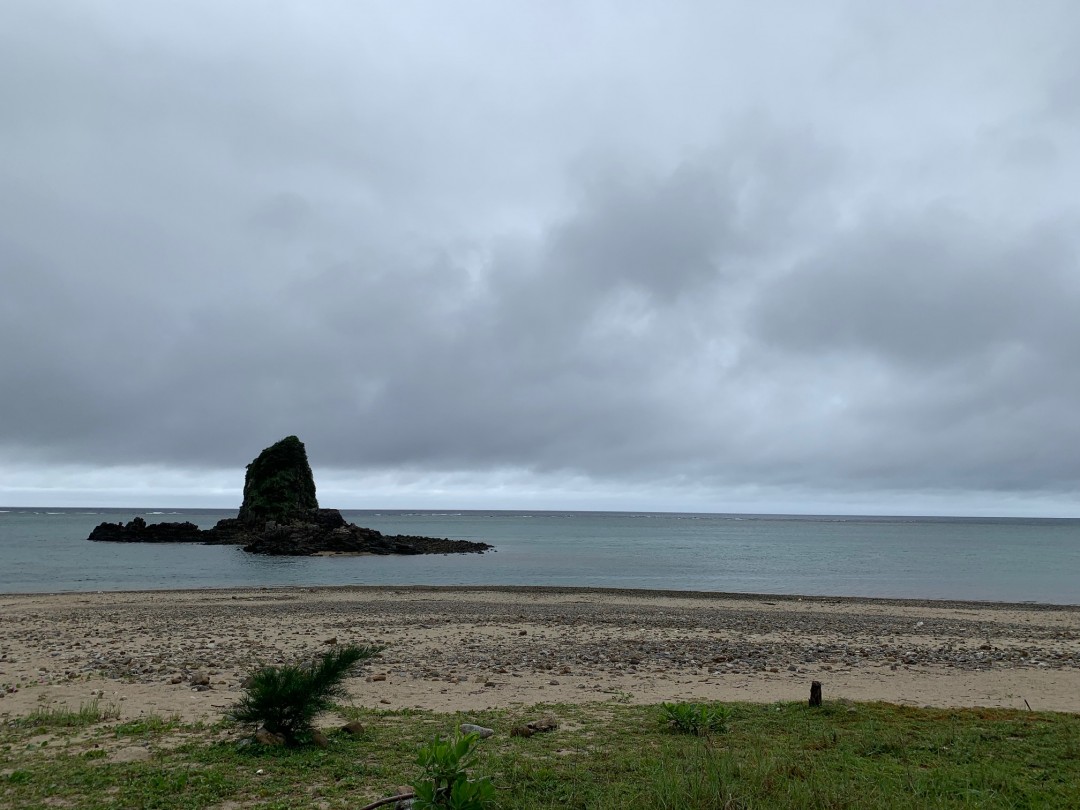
(388, 800)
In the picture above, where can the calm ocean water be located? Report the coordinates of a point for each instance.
(1010, 560)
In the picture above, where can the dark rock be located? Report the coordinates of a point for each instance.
(138, 530)
(308, 535)
(354, 727)
(545, 723)
(278, 485)
(280, 516)
(227, 532)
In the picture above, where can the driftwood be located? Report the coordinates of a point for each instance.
(815, 693)
(388, 800)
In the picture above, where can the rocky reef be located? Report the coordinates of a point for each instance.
(138, 530)
(280, 515)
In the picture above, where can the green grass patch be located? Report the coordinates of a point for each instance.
(52, 717)
(151, 724)
(699, 719)
(602, 756)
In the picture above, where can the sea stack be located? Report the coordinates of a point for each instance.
(280, 515)
(278, 485)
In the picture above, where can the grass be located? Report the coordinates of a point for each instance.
(49, 717)
(699, 719)
(603, 756)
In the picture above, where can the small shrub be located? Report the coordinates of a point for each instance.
(446, 784)
(286, 699)
(693, 718)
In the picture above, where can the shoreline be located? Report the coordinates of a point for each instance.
(463, 648)
(570, 589)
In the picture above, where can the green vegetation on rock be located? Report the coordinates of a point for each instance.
(279, 485)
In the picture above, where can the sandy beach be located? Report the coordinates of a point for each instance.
(187, 653)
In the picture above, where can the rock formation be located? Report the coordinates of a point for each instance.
(278, 485)
(138, 530)
(280, 515)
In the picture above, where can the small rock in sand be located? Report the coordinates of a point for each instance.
(481, 731)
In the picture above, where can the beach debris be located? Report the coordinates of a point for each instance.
(402, 799)
(815, 693)
(546, 723)
(481, 731)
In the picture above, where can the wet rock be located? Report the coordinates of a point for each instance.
(137, 530)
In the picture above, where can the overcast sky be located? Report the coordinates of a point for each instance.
(708, 256)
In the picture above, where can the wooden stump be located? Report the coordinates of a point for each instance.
(815, 693)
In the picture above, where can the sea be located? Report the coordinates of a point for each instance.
(980, 559)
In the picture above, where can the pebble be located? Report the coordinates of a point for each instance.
(133, 641)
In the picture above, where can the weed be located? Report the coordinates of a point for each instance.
(446, 782)
(694, 718)
(147, 724)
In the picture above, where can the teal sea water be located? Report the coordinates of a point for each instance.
(1012, 560)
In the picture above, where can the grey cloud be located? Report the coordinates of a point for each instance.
(928, 289)
(681, 246)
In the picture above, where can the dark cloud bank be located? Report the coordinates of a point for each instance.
(690, 258)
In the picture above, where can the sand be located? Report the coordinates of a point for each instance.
(462, 649)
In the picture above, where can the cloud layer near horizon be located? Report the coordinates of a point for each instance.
(587, 248)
